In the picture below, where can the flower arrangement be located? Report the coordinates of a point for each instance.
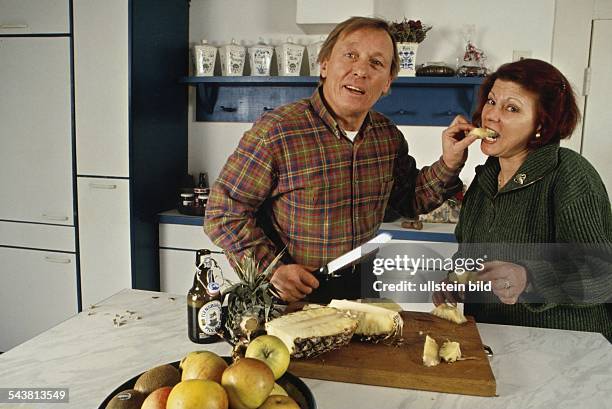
(409, 31)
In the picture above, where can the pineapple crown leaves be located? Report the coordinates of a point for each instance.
(409, 31)
(252, 295)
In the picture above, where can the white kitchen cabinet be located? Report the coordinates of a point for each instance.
(36, 135)
(104, 237)
(131, 132)
(38, 291)
(178, 244)
(34, 16)
(101, 68)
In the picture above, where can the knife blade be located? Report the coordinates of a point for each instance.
(329, 270)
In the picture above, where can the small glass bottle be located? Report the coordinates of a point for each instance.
(204, 302)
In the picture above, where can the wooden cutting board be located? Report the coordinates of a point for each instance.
(402, 366)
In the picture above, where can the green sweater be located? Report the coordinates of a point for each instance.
(556, 196)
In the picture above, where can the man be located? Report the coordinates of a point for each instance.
(314, 177)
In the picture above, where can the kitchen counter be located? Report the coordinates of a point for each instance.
(534, 368)
(436, 232)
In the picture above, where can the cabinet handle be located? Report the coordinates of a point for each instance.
(60, 260)
(228, 109)
(405, 112)
(10, 26)
(266, 109)
(55, 218)
(102, 186)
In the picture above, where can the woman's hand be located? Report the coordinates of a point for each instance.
(447, 297)
(508, 280)
(293, 282)
(455, 142)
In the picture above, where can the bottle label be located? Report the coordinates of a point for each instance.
(209, 317)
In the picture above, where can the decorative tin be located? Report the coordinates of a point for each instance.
(204, 56)
(260, 58)
(232, 59)
(289, 57)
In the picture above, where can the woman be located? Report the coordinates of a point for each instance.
(540, 212)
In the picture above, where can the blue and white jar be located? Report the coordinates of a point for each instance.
(204, 56)
(407, 59)
(232, 59)
(260, 59)
(289, 57)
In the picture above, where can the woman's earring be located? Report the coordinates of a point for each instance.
(537, 135)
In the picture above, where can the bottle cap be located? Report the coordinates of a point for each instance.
(213, 288)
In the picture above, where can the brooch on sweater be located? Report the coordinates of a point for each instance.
(520, 178)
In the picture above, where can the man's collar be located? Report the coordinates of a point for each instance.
(326, 114)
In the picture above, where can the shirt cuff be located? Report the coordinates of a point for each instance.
(445, 174)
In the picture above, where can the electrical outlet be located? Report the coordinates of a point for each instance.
(518, 55)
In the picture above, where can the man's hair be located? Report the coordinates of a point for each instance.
(557, 111)
(351, 25)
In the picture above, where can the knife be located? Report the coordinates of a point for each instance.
(329, 270)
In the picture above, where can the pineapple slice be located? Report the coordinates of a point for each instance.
(450, 313)
(450, 351)
(376, 323)
(484, 133)
(430, 352)
(312, 332)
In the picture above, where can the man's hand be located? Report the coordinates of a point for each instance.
(508, 280)
(294, 281)
(455, 142)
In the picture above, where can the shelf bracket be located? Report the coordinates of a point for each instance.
(207, 95)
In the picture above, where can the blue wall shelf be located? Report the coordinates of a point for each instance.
(425, 101)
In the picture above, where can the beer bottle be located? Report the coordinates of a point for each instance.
(204, 301)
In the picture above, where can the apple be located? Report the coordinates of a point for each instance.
(279, 402)
(204, 365)
(197, 394)
(278, 390)
(271, 350)
(248, 382)
(157, 399)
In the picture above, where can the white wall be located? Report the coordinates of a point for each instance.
(501, 27)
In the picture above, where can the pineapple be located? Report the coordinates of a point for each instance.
(450, 351)
(430, 352)
(450, 313)
(376, 323)
(311, 332)
(249, 302)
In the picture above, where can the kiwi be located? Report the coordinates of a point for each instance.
(128, 399)
(164, 375)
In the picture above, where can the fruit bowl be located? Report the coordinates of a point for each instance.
(292, 384)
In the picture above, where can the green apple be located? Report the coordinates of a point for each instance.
(248, 382)
(271, 350)
(278, 390)
(203, 365)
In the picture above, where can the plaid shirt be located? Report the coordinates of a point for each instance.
(295, 180)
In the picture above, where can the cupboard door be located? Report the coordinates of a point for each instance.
(34, 17)
(104, 237)
(101, 87)
(36, 137)
(38, 291)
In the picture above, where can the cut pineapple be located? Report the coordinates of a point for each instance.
(311, 332)
(450, 313)
(430, 352)
(450, 351)
(375, 323)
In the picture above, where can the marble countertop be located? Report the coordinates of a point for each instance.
(534, 368)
